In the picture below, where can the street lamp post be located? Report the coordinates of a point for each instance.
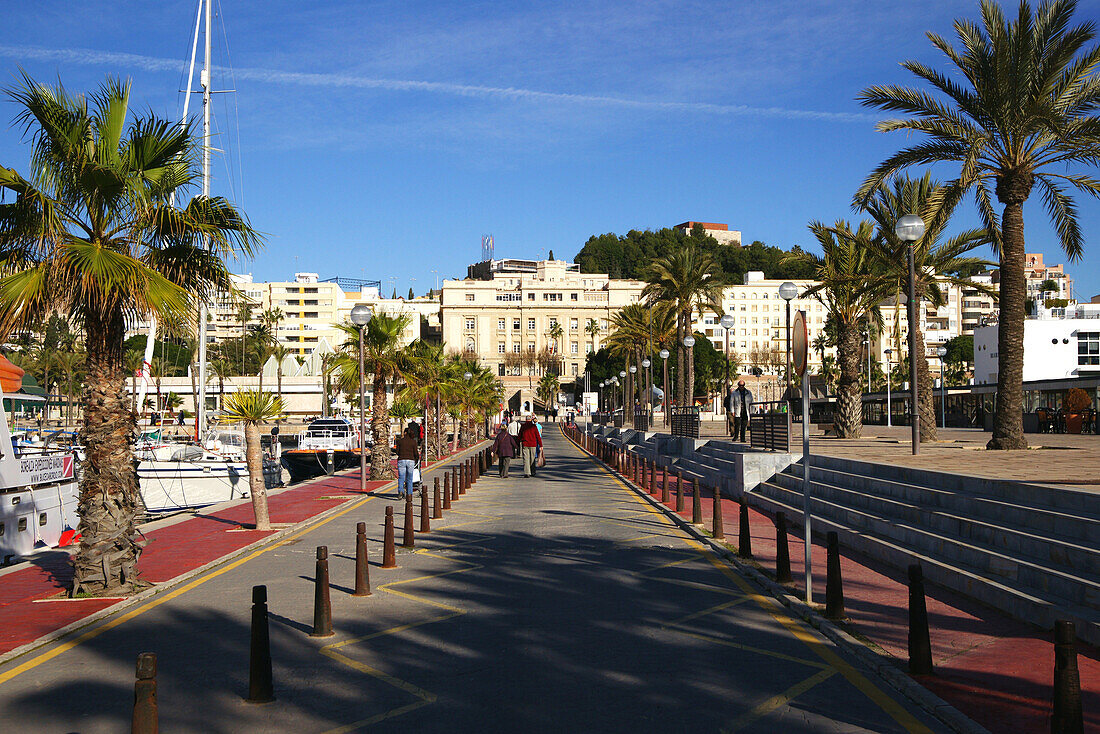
(361, 316)
(787, 292)
(727, 322)
(941, 352)
(468, 376)
(689, 343)
(664, 354)
(622, 376)
(887, 352)
(910, 228)
(633, 388)
(647, 403)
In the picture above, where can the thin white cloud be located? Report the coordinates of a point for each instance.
(274, 76)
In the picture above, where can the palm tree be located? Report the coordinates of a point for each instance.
(850, 287)
(252, 407)
(592, 328)
(382, 358)
(424, 374)
(937, 261)
(244, 315)
(134, 363)
(279, 352)
(556, 332)
(1021, 112)
(93, 235)
(219, 369)
(686, 279)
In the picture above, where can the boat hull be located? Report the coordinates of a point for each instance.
(306, 463)
(176, 485)
(33, 519)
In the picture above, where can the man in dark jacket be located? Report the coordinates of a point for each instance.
(739, 407)
(504, 447)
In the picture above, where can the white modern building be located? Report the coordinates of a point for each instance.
(1054, 348)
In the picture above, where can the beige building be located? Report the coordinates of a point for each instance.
(506, 308)
(720, 232)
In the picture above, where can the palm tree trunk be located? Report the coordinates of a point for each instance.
(256, 486)
(690, 377)
(925, 393)
(848, 419)
(279, 381)
(380, 427)
(105, 562)
(1008, 421)
(681, 358)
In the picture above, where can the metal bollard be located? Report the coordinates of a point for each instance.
(834, 589)
(920, 644)
(437, 508)
(407, 540)
(446, 490)
(454, 483)
(260, 687)
(144, 720)
(322, 605)
(679, 490)
(782, 551)
(362, 562)
(389, 548)
(744, 537)
(425, 514)
(653, 478)
(696, 504)
(717, 529)
(1068, 716)
(664, 485)
(329, 467)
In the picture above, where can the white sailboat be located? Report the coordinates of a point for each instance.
(173, 475)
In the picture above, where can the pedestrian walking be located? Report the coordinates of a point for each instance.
(738, 409)
(505, 447)
(407, 447)
(513, 428)
(530, 440)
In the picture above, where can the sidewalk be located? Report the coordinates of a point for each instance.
(997, 671)
(32, 594)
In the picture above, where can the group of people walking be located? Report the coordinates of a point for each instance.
(522, 439)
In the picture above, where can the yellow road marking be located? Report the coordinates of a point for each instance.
(749, 648)
(161, 599)
(784, 698)
(890, 706)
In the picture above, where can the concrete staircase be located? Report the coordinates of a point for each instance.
(1029, 550)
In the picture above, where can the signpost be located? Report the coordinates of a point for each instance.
(800, 343)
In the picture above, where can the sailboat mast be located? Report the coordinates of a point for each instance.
(204, 80)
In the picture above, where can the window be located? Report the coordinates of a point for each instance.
(530, 346)
(572, 296)
(553, 322)
(470, 323)
(530, 324)
(530, 296)
(501, 348)
(41, 519)
(469, 296)
(22, 524)
(309, 315)
(515, 324)
(516, 348)
(1088, 348)
(574, 369)
(500, 324)
(574, 348)
(573, 325)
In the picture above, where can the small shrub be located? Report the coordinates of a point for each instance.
(1076, 400)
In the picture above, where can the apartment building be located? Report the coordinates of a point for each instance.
(759, 337)
(512, 307)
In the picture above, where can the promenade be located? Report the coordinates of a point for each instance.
(564, 602)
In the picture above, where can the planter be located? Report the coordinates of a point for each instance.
(1073, 422)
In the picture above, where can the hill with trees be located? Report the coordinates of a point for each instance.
(629, 255)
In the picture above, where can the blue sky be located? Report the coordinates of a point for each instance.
(383, 139)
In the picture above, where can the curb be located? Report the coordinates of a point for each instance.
(164, 586)
(882, 666)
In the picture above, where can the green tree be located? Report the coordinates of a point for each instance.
(252, 407)
(687, 279)
(936, 260)
(1019, 115)
(850, 287)
(92, 235)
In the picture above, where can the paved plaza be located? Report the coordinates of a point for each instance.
(565, 602)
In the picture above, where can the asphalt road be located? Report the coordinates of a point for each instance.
(560, 603)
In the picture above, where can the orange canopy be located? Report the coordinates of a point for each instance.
(11, 377)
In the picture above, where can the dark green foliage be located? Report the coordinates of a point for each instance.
(175, 356)
(960, 350)
(710, 367)
(629, 255)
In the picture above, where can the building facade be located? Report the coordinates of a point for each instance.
(720, 232)
(1054, 348)
(517, 308)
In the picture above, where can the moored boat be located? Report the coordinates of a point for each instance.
(337, 438)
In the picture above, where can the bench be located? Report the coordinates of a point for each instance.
(829, 429)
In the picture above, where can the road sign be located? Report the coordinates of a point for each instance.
(800, 343)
